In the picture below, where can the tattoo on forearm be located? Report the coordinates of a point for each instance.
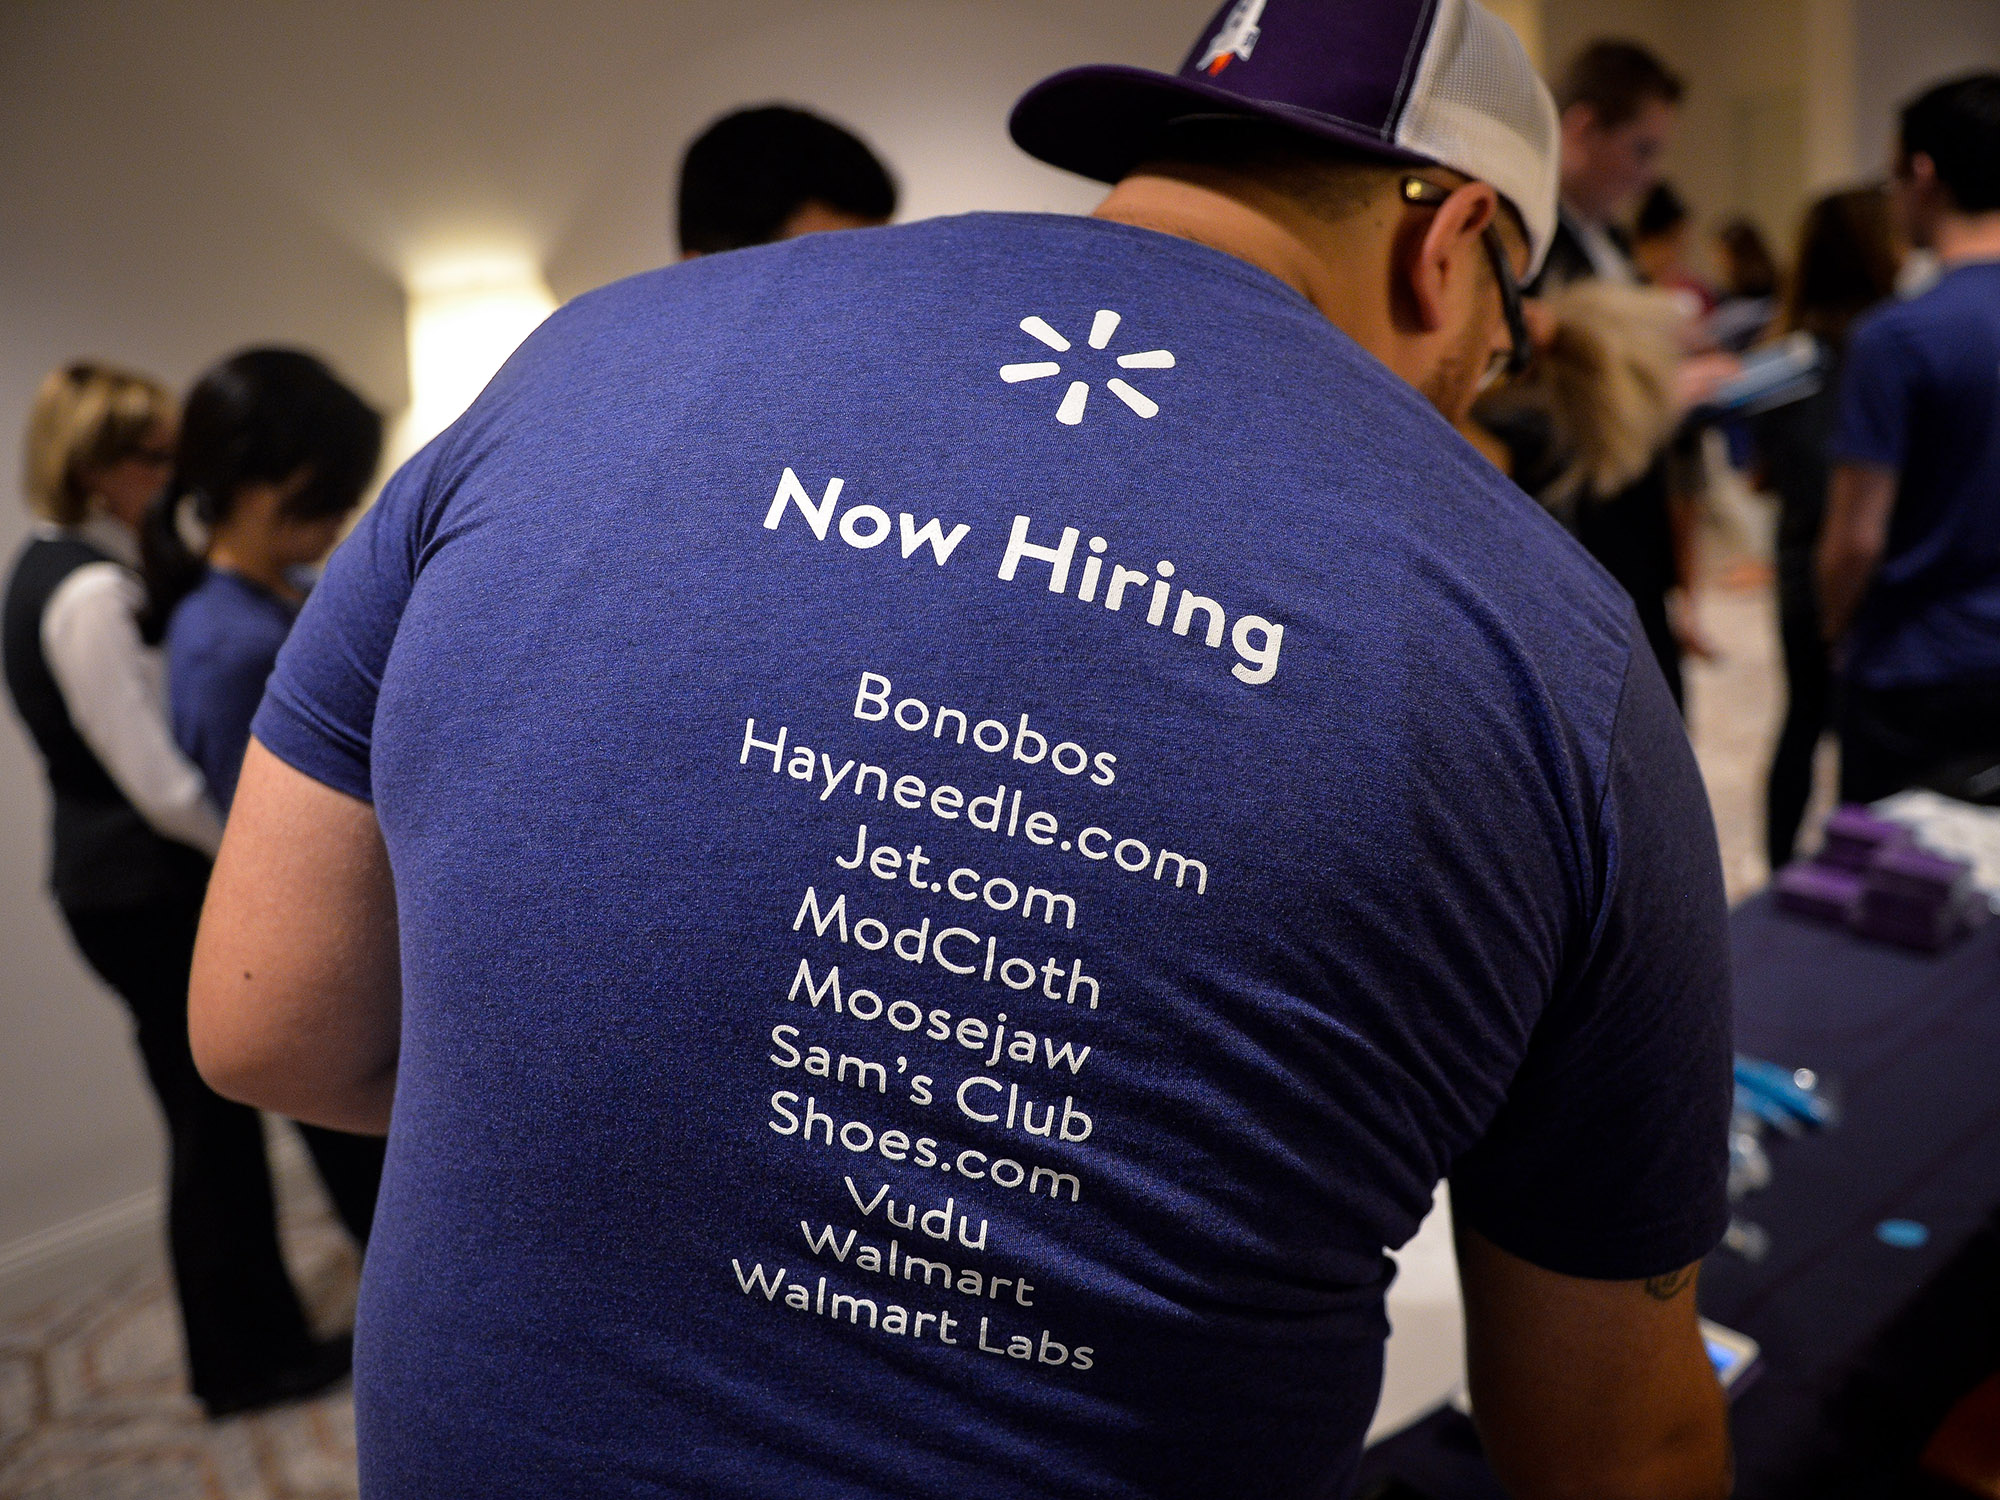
(1666, 1288)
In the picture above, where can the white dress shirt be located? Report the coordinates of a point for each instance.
(114, 686)
(1607, 261)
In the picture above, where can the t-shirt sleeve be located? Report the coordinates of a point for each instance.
(318, 713)
(1609, 1157)
(1877, 378)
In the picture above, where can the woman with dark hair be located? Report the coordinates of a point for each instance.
(1849, 255)
(274, 455)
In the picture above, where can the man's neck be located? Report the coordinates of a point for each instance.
(1967, 237)
(1238, 223)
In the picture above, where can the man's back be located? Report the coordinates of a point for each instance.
(1921, 396)
(899, 998)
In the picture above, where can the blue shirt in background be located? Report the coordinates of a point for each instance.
(1921, 395)
(979, 812)
(221, 644)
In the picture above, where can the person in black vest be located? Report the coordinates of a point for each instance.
(135, 829)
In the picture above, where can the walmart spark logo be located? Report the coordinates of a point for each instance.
(1102, 327)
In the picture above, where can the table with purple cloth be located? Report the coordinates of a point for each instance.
(1865, 1344)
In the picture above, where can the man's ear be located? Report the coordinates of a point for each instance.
(1448, 250)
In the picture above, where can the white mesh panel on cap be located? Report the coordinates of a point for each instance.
(1479, 107)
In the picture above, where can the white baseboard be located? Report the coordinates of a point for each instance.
(94, 1246)
(118, 1237)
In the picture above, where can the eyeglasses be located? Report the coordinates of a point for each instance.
(1425, 194)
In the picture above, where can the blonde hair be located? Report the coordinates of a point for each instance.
(1607, 379)
(86, 416)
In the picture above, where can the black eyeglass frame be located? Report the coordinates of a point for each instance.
(1426, 194)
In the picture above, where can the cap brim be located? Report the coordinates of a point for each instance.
(1102, 121)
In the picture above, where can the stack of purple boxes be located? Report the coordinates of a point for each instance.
(1871, 876)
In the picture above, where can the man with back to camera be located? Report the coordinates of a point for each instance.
(772, 173)
(1027, 799)
(1909, 560)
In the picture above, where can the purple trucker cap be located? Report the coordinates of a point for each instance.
(1423, 81)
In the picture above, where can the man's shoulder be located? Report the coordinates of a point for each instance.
(1529, 570)
(1892, 321)
(1207, 380)
(1939, 312)
(994, 251)
(1970, 286)
(1935, 331)
(206, 612)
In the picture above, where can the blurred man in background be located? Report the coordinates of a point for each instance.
(773, 173)
(1909, 562)
(1619, 106)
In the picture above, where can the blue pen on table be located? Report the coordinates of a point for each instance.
(1770, 1091)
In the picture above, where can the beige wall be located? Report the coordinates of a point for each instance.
(176, 181)
(1905, 51)
(1525, 16)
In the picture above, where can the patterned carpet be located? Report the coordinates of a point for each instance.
(93, 1405)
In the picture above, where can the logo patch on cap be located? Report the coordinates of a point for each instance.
(1237, 37)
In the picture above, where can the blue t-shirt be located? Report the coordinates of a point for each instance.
(221, 644)
(1921, 395)
(979, 812)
